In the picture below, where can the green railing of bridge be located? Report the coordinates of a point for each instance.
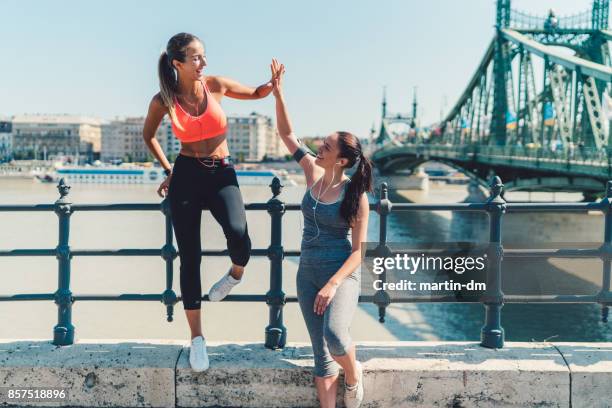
(579, 160)
(492, 333)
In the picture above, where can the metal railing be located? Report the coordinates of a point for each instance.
(492, 333)
(579, 160)
(577, 155)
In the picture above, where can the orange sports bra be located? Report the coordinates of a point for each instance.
(212, 122)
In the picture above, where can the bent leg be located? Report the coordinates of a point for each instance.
(227, 206)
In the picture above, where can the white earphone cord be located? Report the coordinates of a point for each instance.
(314, 209)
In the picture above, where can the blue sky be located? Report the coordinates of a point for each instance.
(99, 57)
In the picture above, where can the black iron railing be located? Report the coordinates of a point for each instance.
(492, 333)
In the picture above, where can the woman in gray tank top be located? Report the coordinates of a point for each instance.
(328, 278)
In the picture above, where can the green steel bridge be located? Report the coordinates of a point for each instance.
(546, 132)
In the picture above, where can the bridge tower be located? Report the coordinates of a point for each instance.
(501, 66)
(414, 107)
(502, 104)
(384, 103)
(600, 13)
(396, 126)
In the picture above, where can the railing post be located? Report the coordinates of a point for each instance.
(383, 208)
(169, 254)
(605, 295)
(492, 333)
(63, 332)
(276, 332)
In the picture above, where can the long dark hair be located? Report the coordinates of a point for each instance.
(350, 148)
(168, 78)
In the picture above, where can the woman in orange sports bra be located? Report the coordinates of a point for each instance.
(212, 122)
(203, 173)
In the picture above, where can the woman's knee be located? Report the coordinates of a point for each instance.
(326, 369)
(324, 364)
(191, 259)
(338, 340)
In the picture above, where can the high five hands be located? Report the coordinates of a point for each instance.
(278, 70)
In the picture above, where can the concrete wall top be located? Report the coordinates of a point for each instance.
(156, 373)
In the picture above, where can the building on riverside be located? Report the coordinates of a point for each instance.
(122, 139)
(43, 136)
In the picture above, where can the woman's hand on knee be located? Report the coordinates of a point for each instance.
(324, 298)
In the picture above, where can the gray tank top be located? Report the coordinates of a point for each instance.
(332, 241)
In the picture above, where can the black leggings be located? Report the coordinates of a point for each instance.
(193, 187)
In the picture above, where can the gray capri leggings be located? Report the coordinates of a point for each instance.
(329, 332)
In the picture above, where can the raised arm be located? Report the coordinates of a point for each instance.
(236, 90)
(299, 151)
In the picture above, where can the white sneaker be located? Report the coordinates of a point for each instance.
(219, 290)
(354, 397)
(198, 358)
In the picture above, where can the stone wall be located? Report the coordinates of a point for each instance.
(156, 373)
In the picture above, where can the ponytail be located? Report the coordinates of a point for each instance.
(360, 182)
(168, 76)
(168, 86)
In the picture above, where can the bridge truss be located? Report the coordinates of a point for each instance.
(538, 106)
(504, 104)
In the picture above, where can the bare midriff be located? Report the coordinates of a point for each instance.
(213, 147)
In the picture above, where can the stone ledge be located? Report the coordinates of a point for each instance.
(156, 373)
(590, 365)
(99, 373)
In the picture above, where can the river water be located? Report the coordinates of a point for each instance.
(230, 321)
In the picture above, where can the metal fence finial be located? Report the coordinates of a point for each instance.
(276, 186)
(496, 187)
(63, 188)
